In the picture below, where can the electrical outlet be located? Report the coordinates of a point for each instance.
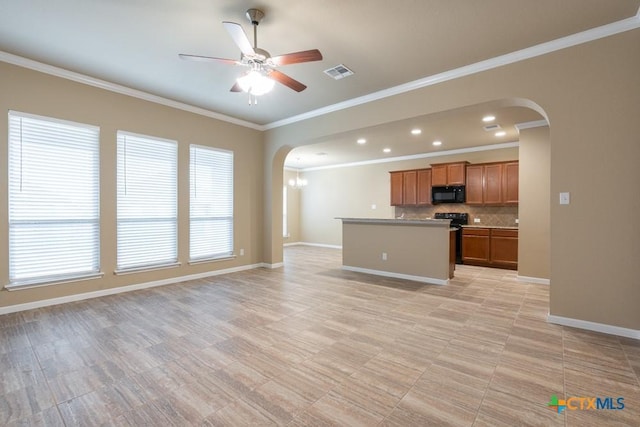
(565, 198)
(384, 256)
(517, 221)
(241, 252)
(476, 220)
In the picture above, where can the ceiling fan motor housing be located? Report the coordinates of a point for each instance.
(255, 16)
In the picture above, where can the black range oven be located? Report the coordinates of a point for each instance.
(457, 221)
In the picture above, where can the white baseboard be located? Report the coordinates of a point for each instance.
(534, 280)
(317, 245)
(272, 266)
(95, 294)
(421, 279)
(593, 326)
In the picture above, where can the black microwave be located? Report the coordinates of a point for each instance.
(448, 194)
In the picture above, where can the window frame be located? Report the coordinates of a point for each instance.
(121, 167)
(229, 217)
(66, 134)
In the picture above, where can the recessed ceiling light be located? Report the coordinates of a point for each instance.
(361, 141)
(487, 119)
(416, 131)
(501, 133)
(436, 143)
(387, 150)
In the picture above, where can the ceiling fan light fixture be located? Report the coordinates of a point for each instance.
(255, 83)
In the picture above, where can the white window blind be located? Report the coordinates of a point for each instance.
(211, 203)
(147, 229)
(54, 206)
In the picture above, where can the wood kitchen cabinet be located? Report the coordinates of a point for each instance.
(504, 248)
(411, 187)
(397, 196)
(423, 191)
(510, 183)
(448, 173)
(474, 190)
(490, 247)
(492, 184)
(452, 252)
(476, 246)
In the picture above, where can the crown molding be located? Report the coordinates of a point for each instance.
(515, 144)
(113, 87)
(499, 61)
(531, 125)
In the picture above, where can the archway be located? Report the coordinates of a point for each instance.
(535, 243)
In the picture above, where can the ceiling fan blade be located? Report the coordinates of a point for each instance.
(297, 57)
(287, 81)
(236, 88)
(239, 37)
(206, 58)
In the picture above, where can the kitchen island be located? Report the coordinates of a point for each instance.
(418, 250)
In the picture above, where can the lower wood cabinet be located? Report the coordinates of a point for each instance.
(504, 248)
(490, 247)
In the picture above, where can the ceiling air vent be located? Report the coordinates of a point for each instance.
(489, 128)
(338, 72)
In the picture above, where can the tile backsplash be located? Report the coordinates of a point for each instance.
(495, 216)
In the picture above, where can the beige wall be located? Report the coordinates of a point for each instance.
(350, 192)
(534, 257)
(293, 208)
(32, 92)
(590, 95)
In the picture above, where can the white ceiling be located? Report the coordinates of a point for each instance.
(135, 43)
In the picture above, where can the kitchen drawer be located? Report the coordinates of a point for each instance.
(476, 231)
(498, 232)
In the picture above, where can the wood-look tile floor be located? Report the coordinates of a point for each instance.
(311, 345)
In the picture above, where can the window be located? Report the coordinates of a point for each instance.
(147, 229)
(211, 203)
(54, 206)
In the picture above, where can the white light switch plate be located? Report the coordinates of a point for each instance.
(476, 220)
(565, 198)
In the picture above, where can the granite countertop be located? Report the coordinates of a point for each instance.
(398, 221)
(503, 227)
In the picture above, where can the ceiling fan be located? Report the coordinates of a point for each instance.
(262, 66)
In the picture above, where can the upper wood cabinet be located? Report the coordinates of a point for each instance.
(424, 187)
(411, 187)
(397, 196)
(448, 173)
(492, 184)
(510, 186)
(475, 174)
